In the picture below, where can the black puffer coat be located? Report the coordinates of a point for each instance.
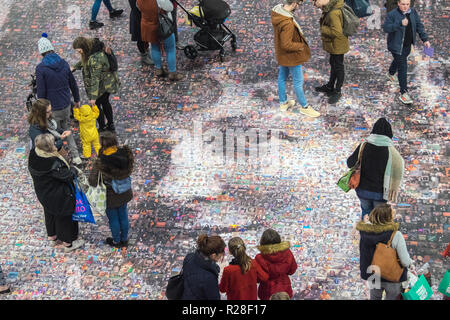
(52, 181)
(117, 166)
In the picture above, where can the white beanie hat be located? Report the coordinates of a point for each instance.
(44, 45)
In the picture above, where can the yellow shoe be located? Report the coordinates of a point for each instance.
(310, 112)
(288, 104)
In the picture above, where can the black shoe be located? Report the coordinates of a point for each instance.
(95, 25)
(334, 97)
(124, 244)
(115, 13)
(325, 88)
(111, 242)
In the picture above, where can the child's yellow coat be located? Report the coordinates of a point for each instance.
(88, 131)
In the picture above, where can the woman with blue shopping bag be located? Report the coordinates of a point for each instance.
(115, 165)
(53, 182)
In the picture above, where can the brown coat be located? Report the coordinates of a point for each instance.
(149, 20)
(291, 48)
(333, 39)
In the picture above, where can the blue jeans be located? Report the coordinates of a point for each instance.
(169, 48)
(96, 8)
(118, 223)
(400, 64)
(369, 200)
(297, 78)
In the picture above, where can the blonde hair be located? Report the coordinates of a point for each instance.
(280, 296)
(237, 249)
(381, 214)
(45, 142)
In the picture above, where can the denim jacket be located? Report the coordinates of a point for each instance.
(396, 31)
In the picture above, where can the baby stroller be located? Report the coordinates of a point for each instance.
(209, 16)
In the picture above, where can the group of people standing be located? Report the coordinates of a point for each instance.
(292, 51)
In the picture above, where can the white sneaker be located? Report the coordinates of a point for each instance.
(76, 161)
(75, 245)
(405, 98)
(288, 104)
(392, 78)
(308, 111)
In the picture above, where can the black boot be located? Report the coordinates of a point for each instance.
(115, 13)
(325, 89)
(95, 25)
(334, 97)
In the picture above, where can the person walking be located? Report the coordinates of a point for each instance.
(240, 278)
(55, 82)
(149, 30)
(99, 81)
(382, 168)
(401, 25)
(135, 31)
(277, 260)
(113, 13)
(379, 229)
(53, 184)
(200, 269)
(291, 52)
(87, 117)
(336, 44)
(114, 163)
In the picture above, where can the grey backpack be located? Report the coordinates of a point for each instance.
(350, 21)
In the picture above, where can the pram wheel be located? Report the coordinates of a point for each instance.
(190, 52)
(233, 45)
(221, 55)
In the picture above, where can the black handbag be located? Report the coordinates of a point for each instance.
(175, 287)
(166, 25)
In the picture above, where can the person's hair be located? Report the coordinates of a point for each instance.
(289, 2)
(38, 113)
(108, 139)
(381, 214)
(209, 245)
(45, 142)
(270, 236)
(84, 44)
(280, 296)
(237, 249)
(48, 52)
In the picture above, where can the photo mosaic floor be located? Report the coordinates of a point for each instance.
(183, 187)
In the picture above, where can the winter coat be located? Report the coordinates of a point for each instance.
(135, 21)
(396, 31)
(373, 166)
(149, 18)
(117, 166)
(35, 130)
(97, 77)
(291, 48)
(55, 81)
(278, 261)
(240, 286)
(370, 236)
(200, 278)
(87, 116)
(52, 181)
(333, 39)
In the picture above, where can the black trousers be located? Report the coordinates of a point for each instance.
(63, 227)
(142, 46)
(105, 108)
(337, 71)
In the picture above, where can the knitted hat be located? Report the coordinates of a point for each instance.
(44, 45)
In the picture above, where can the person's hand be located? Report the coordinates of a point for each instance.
(108, 50)
(77, 104)
(65, 134)
(92, 103)
(405, 22)
(427, 44)
(412, 268)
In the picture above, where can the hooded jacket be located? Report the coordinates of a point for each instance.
(97, 77)
(87, 116)
(371, 235)
(278, 261)
(291, 48)
(55, 81)
(52, 181)
(240, 286)
(333, 39)
(200, 278)
(35, 130)
(117, 166)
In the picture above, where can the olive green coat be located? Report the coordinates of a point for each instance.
(333, 39)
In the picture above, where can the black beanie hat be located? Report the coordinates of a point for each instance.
(382, 127)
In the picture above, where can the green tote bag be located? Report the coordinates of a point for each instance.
(420, 291)
(444, 287)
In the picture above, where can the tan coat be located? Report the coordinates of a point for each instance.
(149, 20)
(333, 39)
(291, 48)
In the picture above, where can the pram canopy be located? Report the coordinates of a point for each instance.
(215, 9)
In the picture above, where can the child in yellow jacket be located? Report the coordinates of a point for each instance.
(88, 130)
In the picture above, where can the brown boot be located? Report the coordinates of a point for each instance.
(161, 72)
(175, 76)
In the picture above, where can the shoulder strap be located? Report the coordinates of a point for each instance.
(361, 149)
(392, 237)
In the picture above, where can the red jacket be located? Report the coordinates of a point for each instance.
(279, 262)
(240, 286)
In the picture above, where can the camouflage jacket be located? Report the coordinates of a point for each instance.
(96, 76)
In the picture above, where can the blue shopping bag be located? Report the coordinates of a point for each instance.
(83, 212)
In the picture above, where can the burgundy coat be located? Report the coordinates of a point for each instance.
(149, 20)
(279, 262)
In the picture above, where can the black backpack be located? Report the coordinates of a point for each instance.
(113, 66)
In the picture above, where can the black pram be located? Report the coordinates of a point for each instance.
(209, 16)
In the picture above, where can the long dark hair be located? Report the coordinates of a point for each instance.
(84, 44)
(209, 245)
